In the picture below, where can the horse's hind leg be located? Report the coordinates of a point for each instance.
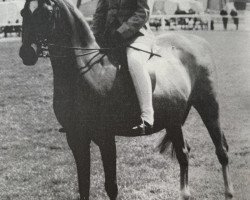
(208, 108)
(182, 150)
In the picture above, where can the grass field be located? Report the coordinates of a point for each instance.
(36, 163)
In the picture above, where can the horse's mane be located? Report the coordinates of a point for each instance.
(82, 26)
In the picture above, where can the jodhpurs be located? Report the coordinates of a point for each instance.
(140, 76)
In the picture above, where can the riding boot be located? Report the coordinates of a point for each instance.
(142, 129)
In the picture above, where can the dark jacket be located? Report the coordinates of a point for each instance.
(233, 13)
(128, 17)
(223, 12)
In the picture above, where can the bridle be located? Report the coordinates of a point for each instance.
(99, 53)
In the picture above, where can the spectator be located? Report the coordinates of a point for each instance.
(156, 22)
(192, 21)
(224, 14)
(234, 15)
(182, 21)
(205, 20)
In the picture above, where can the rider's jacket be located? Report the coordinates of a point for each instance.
(128, 17)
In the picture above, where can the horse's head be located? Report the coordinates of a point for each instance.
(38, 25)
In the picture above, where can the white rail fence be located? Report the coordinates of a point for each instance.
(10, 18)
(175, 20)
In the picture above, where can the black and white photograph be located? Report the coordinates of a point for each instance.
(124, 99)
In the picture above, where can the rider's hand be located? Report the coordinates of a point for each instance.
(117, 39)
(118, 44)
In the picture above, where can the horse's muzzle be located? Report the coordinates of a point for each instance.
(28, 54)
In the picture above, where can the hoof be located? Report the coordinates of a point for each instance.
(184, 198)
(185, 195)
(229, 193)
(229, 196)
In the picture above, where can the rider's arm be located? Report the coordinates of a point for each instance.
(136, 21)
(99, 18)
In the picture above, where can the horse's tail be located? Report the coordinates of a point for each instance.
(165, 143)
(167, 140)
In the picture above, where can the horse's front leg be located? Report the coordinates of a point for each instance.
(79, 143)
(108, 153)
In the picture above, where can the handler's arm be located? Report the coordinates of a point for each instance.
(135, 22)
(99, 18)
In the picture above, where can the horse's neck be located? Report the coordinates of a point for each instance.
(98, 76)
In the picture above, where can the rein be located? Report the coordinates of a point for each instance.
(45, 54)
(92, 50)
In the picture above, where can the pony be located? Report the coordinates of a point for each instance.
(94, 100)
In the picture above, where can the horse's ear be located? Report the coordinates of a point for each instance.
(22, 12)
(25, 9)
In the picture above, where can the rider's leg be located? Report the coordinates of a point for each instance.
(141, 79)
